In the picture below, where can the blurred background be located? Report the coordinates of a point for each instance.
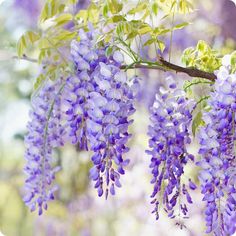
(78, 210)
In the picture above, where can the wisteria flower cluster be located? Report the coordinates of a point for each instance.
(91, 110)
(102, 100)
(45, 132)
(218, 163)
(169, 135)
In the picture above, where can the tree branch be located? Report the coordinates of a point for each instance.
(162, 65)
(192, 72)
(24, 57)
(167, 66)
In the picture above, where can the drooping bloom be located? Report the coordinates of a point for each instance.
(110, 107)
(100, 100)
(218, 163)
(79, 86)
(45, 132)
(91, 111)
(169, 135)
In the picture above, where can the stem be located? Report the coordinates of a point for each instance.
(45, 134)
(135, 57)
(167, 66)
(171, 34)
(195, 83)
(202, 99)
(24, 57)
(192, 72)
(162, 66)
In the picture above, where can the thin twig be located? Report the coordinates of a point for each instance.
(24, 57)
(142, 66)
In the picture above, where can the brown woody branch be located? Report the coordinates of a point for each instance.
(192, 72)
(162, 65)
(167, 66)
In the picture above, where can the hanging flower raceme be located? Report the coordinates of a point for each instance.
(91, 110)
(218, 163)
(78, 87)
(110, 107)
(100, 99)
(169, 135)
(45, 132)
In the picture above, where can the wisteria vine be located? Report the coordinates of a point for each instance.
(169, 136)
(45, 132)
(218, 163)
(91, 109)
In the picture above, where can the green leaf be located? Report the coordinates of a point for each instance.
(132, 35)
(144, 29)
(73, 1)
(160, 31)
(21, 46)
(93, 13)
(50, 9)
(105, 11)
(117, 18)
(233, 61)
(161, 45)
(63, 19)
(109, 51)
(26, 41)
(44, 44)
(39, 80)
(155, 8)
(202, 46)
(140, 7)
(32, 36)
(114, 6)
(82, 14)
(202, 57)
(197, 121)
(149, 42)
(64, 35)
(180, 26)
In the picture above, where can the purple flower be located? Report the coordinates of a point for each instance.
(100, 100)
(169, 135)
(45, 132)
(108, 125)
(218, 163)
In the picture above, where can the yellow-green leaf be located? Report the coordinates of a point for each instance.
(21, 46)
(145, 28)
(64, 18)
(39, 81)
(114, 6)
(197, 121)
(161, 45)
(93, 13)
(140, 7)
(26, 40)
(149, 42)
(155, 8)
(180, 26)
(32, 36)
(82, 14)
(117, 18)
